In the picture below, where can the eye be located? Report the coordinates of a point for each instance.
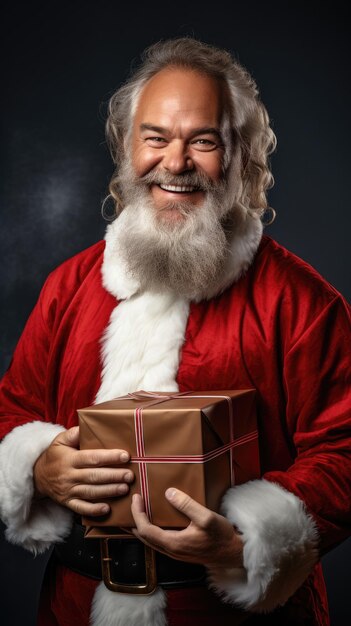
(204, 141)
(156, 141)
(205, 145)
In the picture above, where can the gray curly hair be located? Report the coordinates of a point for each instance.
(251, 138)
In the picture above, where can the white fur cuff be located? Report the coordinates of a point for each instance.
(33, 525)
(280, 541)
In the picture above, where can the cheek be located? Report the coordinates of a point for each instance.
(144, 160)
(211, 164)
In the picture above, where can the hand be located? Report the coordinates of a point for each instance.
(209, 539)
(75, 478)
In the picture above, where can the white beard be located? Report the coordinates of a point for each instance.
(185, 256)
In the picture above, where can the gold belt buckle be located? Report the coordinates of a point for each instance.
(150, 571)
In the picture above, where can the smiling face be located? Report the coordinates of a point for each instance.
(176, 139)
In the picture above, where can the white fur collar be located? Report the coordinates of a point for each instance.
(141, 345)
(243, 247)
(140, 350)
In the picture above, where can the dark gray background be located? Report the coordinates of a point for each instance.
(62, 60)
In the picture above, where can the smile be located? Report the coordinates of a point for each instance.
(178, 188)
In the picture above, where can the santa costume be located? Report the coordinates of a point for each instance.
(273, 324)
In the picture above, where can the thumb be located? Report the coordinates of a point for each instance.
(69, 437)
(185, 504)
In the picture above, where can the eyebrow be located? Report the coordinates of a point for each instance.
(203, 130)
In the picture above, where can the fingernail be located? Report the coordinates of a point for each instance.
(170, 493)
(124, 457)
(105, 509)
(128, 477)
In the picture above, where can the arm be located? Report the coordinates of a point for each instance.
(26, 432)
(43, 475)
(285, 518)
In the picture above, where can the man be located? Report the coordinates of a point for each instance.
(186, 294)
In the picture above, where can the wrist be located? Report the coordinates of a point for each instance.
(234, 555)
(230, 556)
(38, 493)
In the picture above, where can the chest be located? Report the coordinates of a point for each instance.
(225, 346)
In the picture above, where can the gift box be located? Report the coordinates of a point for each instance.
(199, 442)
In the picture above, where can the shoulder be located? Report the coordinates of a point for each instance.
(69, 278)
(72, 272)
(286, 291)
(276, 266)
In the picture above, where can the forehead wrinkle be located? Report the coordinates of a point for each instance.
(158, 129)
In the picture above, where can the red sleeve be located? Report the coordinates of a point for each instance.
(317, 377)
(22, 389)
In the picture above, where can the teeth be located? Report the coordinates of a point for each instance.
(177, 188)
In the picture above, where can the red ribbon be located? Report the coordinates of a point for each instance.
(142, 459)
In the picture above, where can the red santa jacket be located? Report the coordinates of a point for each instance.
(280, 328)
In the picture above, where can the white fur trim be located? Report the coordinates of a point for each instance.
(140, 350)
(280, 541)
(115, 277)
(119, 609)
(142, 344)
(243, 247)
(34, 524)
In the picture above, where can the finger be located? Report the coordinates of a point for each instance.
(150, 534)
(167, 543)
(143, 524)
(100, 458)
(102, 475)
(89, 509)
(138, 511)
(69, 437)
(151, 544)
(198, 514)
(99, 492)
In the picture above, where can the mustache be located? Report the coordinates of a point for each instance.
(200, 180)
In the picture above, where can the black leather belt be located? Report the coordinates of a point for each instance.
(126, 561)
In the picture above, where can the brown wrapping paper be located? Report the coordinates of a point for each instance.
(182, 426)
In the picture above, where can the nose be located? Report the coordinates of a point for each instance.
(176, 158)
